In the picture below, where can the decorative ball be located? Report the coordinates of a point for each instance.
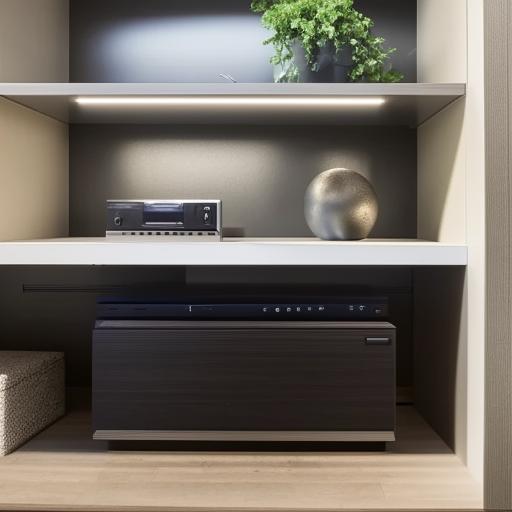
(340, 204)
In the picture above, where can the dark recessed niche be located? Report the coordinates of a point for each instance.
(259, 172)
(60, 301)
(196, 40)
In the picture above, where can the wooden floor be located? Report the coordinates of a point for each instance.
(63, 469)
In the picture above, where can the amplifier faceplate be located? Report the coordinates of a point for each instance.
(175, 219)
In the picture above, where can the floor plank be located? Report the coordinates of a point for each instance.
(63, 469)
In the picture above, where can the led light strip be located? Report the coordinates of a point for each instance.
(230, 101)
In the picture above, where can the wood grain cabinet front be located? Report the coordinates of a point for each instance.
(177, 379)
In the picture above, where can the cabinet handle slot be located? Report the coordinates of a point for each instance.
(377, 341)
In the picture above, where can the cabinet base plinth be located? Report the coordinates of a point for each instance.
(237, 436)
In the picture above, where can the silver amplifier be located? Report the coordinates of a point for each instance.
(174, 219)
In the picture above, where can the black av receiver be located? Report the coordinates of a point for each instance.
(174, 219)
(326, 308)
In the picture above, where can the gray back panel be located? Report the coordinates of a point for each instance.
(194, 41)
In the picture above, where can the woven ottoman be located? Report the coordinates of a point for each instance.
(32, 395)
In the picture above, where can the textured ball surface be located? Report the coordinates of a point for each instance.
(340, 204)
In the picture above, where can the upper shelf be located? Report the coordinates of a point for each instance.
(236, 103)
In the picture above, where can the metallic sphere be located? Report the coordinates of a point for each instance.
(340, 204)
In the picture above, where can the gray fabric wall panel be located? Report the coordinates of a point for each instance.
(498, 346)
(260, 173)
(194, 41)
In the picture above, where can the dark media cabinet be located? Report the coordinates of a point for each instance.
(243, 381)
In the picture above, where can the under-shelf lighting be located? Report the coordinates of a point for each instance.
(261, 101)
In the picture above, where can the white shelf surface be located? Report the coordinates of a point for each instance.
(405, 103)
(231, 251)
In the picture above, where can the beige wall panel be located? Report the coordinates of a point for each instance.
(442, 37)
(442, 57)
(34, 174)
(451, 207)
(34, 40)
(476, 279)
(442, 176)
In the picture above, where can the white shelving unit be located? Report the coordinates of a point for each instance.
(402, 103)
(449, 304)
(231, 251)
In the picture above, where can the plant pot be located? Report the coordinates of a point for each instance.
(331, 66)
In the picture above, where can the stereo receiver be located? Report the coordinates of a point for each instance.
(174, 219)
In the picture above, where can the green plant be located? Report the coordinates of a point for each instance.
(316, 23)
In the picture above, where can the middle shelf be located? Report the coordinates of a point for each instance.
(232, 252)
